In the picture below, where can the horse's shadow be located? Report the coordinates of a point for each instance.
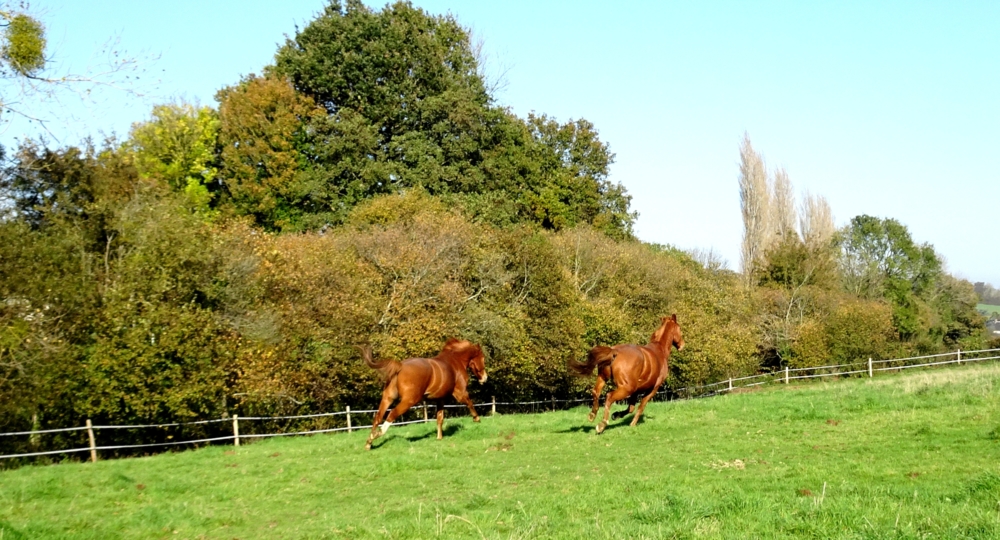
(447, 431)
(590, 428)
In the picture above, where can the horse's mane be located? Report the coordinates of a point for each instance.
(458, 349)
(661, 332)
(658, 334)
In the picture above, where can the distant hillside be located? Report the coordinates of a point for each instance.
(988, 309)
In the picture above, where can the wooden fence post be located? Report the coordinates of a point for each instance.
(34, 439)
(870, 372)
(425, 410)
(236, 430)
(730, 384)
(959, 356)
(493, 407)
(93, 443)
(786, 374)
(349, 419)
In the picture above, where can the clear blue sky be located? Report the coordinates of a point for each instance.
(885, 108)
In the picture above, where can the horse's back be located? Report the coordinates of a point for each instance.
(636, 366)
(426, 376)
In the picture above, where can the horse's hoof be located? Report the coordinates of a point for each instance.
(476, 419)
(368, 446)
(601, 426)
(591, 416)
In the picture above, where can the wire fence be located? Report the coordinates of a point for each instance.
(214, 428)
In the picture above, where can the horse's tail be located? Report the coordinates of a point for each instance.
(597, 357)
(387, 368)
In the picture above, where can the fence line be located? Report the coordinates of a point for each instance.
(44, 431)
(174, 424)
(782, 376)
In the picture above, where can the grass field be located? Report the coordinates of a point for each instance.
(988, 308)
(913, 455)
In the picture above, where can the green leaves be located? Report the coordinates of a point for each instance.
(23, 45)
(177, 147)
(406, 108)
(879, 260)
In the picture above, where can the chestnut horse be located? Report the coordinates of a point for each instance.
(635, 369)
(435, 378)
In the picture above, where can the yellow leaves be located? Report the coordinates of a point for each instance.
(177, 146)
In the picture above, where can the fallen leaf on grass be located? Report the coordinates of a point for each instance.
(719, 465)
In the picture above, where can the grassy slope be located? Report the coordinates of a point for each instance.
(912, 455)
(988, 308)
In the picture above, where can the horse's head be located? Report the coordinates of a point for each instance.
(472, 355)
(477, 363)
(669, 333)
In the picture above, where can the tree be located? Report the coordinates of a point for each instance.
(879, 259)
(177, 147)
(406, 107)
(783, 206)
(262, 131)
(571, 184)
(816, 225)
(755, 204)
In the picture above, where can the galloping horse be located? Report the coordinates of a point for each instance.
(636, 369)
(434, 378)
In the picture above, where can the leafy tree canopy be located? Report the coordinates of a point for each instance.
(403, 106)
(879, 260)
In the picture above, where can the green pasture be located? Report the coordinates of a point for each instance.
(913, 455)
(989, 309)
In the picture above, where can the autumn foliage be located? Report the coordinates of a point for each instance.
(366, 189)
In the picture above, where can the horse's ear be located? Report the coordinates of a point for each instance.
(674, 317)
(451, 341)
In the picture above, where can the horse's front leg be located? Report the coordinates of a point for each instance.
(645, 400)
(625, 412)
(462, 396)
(439, 413)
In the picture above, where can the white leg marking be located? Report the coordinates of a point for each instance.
(385, 426)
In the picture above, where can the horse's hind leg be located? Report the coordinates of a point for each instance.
(617, 394)
(603, 375)
(388, 395)
(642, 405)
(405, 402)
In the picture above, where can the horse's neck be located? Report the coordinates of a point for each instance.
(663, 344)
(457, 364)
